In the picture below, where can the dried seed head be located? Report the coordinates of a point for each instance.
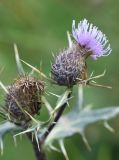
(24, 95)
(69, 67)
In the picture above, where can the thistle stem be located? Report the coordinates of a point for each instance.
(39, 153)
(56, 119)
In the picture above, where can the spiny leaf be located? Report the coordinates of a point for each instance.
(73, 122)
(77, 120)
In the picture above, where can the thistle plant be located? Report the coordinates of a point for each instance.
(26, 96)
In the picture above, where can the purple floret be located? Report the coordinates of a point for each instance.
(92, 39)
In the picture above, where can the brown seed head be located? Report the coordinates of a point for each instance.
(24, 95)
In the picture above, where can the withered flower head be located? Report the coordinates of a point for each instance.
(69, 67)
(24, 95)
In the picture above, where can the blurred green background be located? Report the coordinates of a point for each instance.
(38, 27)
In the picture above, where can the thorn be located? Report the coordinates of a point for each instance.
(54, 148)
(15, 141)
(95, 77)
(69, 39)
(32, 72)
(19, 65)
(107, 126)
(35, 69)
(36, 136)
(3, 87)
(68, 104)
(91, 75)
(54, 122)
(99, 85)
(53, 55)
(34, 120)
(54, 94)
(86, 142)
(1, 145)
(26, 131)
(47, 104)
(61, 143)
(62, 99)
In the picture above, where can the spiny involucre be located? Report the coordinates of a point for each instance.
(69, 67)
(24, 95)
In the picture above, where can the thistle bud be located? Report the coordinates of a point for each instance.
(24, 96)
(69, 67)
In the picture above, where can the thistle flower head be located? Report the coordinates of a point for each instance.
(24, 95)
(92, 39)
(69, 67)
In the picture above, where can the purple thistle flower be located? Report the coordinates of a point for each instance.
(91, 39)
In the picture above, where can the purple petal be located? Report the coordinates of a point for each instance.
(91, 38)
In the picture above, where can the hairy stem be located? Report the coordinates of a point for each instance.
(57, 117)
(39, 153)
